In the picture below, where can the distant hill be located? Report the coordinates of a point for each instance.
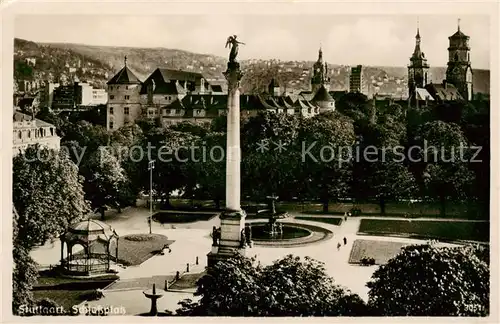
(97, 64)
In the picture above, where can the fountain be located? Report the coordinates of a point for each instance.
(153, 295)
(277, 233)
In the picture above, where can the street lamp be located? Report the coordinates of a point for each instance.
(151, 166)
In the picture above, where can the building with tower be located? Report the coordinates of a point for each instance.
(123, 98)
(174, 96)
(459, 71)
(320, 74)
(418, 71)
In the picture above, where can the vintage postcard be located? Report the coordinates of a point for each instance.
(283, 159)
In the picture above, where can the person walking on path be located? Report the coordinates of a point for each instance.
(338, 246)
(345, 241)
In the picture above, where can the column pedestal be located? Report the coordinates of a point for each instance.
(232, 224)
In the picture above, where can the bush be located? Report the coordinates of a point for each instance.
(93, 295)
(47, 303)
(355, 211)
(367, 261)
(139, 237)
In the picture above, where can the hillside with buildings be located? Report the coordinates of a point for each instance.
(36, 64)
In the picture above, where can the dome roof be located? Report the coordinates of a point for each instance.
(322, 95)
(89, 230)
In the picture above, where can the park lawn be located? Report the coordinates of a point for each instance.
(328, 220)
(132, 253)
(381, 251)
(187, 281)
(48, 279)
(440, 230)
(68, 292)
(64, 298)
(176, 217)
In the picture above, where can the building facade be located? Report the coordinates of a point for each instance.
(356, 79)
(459, 71)
(174, 96)
(76, 95)
(30, 131)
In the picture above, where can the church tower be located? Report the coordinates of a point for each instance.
(459, 71)
(418, 69)
(320, 74)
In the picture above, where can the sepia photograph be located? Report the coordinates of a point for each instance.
(250, 165)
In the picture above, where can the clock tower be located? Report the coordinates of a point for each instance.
(320, 74)
(418, 69)
(459, 71)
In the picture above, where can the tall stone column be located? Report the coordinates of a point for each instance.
(233, 218)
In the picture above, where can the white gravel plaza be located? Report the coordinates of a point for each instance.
(192, 240)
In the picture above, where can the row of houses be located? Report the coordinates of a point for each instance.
(174, 96)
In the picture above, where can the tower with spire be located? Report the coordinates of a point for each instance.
(320, 74)
(459, 71)
(418, 69)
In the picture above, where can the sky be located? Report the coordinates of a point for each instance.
(345, 39)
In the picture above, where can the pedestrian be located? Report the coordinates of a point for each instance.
(338, 246)
(345, 241)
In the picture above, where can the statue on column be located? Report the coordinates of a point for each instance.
(233, 43)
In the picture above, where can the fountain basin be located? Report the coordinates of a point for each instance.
(260, 232)
(294, 234)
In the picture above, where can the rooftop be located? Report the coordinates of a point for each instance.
(124, 76)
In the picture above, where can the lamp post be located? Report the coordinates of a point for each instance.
(151, 166)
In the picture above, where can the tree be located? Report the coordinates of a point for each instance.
(24, 274)
(90, 138)
(104, 179)
(326, 150)
(386, 175)
(219, 124)
(270, 155)
(47, 196)
(192, 128)
(210, 170)
(88, 134)
(231, 289)
(126, 145)
(288, 287)
(302, 288)
(354, 105)
(173, 152)
(427, 280)
(446, 168)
